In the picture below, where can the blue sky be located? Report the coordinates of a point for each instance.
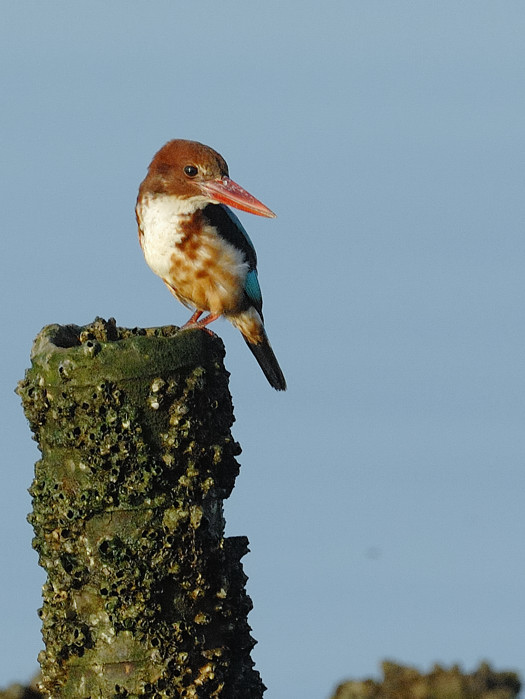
(383, 493)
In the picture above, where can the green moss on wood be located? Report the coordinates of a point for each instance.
(144, 595)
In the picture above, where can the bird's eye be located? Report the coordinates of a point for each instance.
(190, 170)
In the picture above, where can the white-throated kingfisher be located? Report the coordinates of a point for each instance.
(199, 248)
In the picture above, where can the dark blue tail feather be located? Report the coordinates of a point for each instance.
(267, 360)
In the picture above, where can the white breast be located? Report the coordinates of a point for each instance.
(160, 218)
(200, 268)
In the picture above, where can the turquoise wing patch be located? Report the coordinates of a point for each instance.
(252, 288)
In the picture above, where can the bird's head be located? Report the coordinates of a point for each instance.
(191, 170)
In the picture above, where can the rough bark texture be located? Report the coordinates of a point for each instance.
(144, 595)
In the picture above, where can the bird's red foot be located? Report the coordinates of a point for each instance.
(194, 322)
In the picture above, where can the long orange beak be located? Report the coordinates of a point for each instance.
(229, 192)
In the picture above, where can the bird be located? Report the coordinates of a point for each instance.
(195, 243)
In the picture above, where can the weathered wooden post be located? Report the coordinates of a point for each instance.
(144, 595)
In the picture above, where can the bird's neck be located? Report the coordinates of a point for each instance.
(171, 206)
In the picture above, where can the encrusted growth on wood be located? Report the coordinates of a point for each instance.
(401, 681)
(144, 596)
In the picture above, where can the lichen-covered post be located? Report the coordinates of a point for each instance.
(144, 595)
